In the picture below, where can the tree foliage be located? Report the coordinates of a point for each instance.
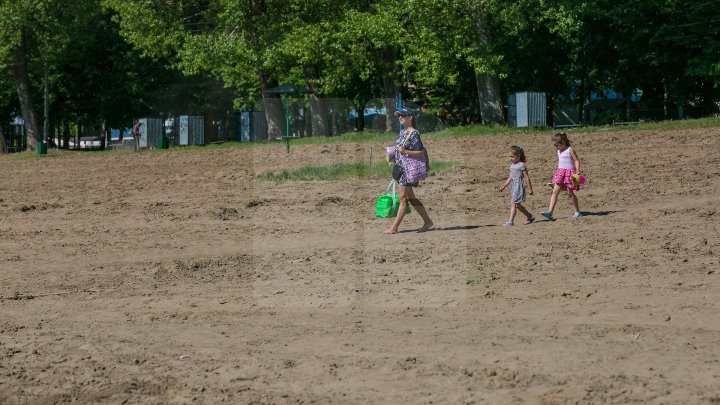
(111, 60)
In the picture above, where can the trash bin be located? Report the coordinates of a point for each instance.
(163, 142)
(41, 148)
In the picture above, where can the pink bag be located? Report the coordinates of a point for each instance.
(415, 168)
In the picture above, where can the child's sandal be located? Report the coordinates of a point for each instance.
(547, 215)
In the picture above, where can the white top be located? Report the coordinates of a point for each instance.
(565, 160)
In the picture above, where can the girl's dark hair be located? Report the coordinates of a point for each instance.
(519, 152)
(562, 138)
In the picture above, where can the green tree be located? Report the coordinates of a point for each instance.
(457, 57)
(230, 39)
(684, 57)
(36, 36)
(8, 106)
(340, 51)
(668, 49)
(24, 23)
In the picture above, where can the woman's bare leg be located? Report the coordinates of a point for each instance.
(402, 193)
(420, 208)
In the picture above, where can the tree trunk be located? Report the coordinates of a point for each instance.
(627, 103)
(489, 99)
(665, 100)
(22, 84)
(2, 142)
(360, 120)
(105, 131)
(550, 103)
(582, 100)
(334, 122)
(274, 116)
(318, 115)
(588, 100)
(390, 87)
(274, 112)
(488, 83)
(66, 135)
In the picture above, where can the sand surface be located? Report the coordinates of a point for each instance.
(180, 277)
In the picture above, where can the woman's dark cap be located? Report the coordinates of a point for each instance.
(404, 112)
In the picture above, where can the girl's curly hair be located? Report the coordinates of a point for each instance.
(519, 152)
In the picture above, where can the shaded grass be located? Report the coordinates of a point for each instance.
(212, 146)
(350, 137)
(485, 130)
(340, 171)
(710, 122)
(494, 130)
(61, 154)
(369, 137)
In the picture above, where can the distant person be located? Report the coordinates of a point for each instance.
(219, 130)
(518, 177)
(412, 157)
(136, 135)
(568, 165)
(170, 130)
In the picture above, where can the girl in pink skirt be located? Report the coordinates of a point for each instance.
(568, 164)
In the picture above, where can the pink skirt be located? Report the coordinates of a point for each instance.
(563, 177)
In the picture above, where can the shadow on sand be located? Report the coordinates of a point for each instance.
(471, 227)
(450, 228)
(463, 227)
(584, 214)
(598, 213)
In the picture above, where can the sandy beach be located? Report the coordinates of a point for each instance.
(182, 277)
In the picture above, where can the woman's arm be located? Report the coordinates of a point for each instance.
(412, 140)
(411, 153)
